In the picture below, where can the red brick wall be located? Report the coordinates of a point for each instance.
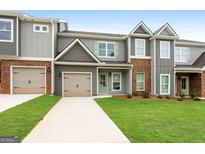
(5, 73)
(141, 65)
(203, 84)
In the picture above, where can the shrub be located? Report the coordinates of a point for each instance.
(193, 95)
(167, 97)
(134, 93)
(160, 96)
(196, 98)
(129, 96)
(145, 94)
(182, 95)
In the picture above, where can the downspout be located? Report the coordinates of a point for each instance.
(52, 62)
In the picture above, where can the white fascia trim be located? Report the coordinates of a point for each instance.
(163, 37)
(170, 28)
(143, 26)
(117, 81)
(34, 59)
(142, 57)
(82, 45)
(94, 36)
(140, 35)
(168, 84)
(188, 69)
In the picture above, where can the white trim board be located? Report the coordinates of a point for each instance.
(91, 81)
(82, 45)
(19, 66)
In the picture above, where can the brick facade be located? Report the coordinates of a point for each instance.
(5, 73)
(194, 83)
(141, 65)
(203, 84)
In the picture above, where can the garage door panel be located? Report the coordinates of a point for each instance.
(77, 84)
(28, 80)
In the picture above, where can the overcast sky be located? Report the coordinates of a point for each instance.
(187, 24)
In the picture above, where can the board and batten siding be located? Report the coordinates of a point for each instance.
(35, 44)
(9, 48)
(91, 44)
(147, 46)
(165, 66)
(195, 52)
(65, 68)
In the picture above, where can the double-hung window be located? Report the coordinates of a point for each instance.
(164, 49)
(140, 47)
(106, 49)
(140, 82)
(165, 84)
(6, 30)
(40, 28)
(116, 81)
(182, 54)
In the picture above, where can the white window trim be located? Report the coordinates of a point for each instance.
(106, 51)
(116, 81)
(180, 48)
(168, 49)
(12, 30)
(136, 47)
(41, 28)
(143, 81)
(168, 84)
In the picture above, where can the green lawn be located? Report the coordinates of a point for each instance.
(157, 121)
(20, 120)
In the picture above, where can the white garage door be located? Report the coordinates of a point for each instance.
(77, 84)
(28, 80)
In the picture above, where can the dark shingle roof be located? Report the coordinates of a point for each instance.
(188, 41)
(200, 62)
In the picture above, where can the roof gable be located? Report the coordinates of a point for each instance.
(166, 30)
(141, 28)
(200, 61)
(77, 52)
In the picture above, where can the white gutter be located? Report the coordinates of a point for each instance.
(140, 35)
(163, 37)
(94, 36)
(190, 43)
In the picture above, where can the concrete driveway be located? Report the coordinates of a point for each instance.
(8, 101)
(78, 119)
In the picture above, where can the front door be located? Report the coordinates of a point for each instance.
(185, 85)
(103, 83)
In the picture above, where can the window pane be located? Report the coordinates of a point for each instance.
(140, 77)
(140, 85)
(116, 77)
(140, 52)
(37, 28)
(5, 25)
(177, 54)
(102, 52)
(5, 35)
(110, 46)
(116, 85)
(164, 80)
(8, 25)
(164, 88)
(110, 53)
(140, 43)
(2, 25)
(102, 46)
(140, 47)
(164, 49)
(164, 53)
(45, 29)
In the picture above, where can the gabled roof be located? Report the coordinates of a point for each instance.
(67, 49)
(143, 26)
(168, 27)
(200, 61)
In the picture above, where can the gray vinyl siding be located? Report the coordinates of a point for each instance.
(147, 46)
(35, 44)
(152, 65)
(165, 66)
(124, 82)
(90, 43)
(9, 48)
(77, 54)
(195, 52)
(64, 68)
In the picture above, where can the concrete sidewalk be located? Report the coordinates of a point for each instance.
(76, 119)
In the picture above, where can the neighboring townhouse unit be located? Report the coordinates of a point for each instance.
(90, 63)
(43, 56)
(27, 47)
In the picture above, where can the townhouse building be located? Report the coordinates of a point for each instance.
(44, 56)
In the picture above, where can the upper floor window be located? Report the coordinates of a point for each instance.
(40, 28)
(165, 49)
(6, 30)
(106, 49)
(181, 54)
(139, 47)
